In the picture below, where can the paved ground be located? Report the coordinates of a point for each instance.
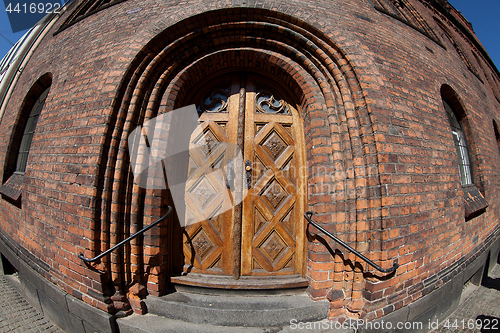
(480, 312)
(16, 314)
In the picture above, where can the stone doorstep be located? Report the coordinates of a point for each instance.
(234, 310)
(151, 323)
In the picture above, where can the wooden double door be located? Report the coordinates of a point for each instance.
(247, 219)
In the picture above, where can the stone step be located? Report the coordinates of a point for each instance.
(263, 309)
(150, 323)
(156, 324)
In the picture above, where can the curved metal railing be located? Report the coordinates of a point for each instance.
(308, 215)
(125, 241)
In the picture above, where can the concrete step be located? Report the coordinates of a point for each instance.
(150, 323)
(155, 324)
(263, 309)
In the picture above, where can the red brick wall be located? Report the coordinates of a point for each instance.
(383, 171)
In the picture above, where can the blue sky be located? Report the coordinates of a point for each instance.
(485, 18)
(483, 14)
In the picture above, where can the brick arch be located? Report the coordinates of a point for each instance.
(453, 99)
(270, 63)
(449, 94)
(339, 134)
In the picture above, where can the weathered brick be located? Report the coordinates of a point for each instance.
(382, 167)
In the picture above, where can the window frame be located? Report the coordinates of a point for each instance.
(475, 203)
(23, 132)
(28, 133)
(461, 146)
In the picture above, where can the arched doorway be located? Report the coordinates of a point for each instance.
(337, 125)
(260, 242)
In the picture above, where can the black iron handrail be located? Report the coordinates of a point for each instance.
(125, 241)
(308, 215)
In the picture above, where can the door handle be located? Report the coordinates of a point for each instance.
(248, 173)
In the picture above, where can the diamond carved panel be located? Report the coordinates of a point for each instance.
(204, 192)
(274, 145)
(208, 142)
(274, 194)
(202, 244)
(273, 246)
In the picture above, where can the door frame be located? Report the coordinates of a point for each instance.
(266, 282)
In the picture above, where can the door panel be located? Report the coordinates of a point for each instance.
(207, 243)
(269, 238)
(272, 227)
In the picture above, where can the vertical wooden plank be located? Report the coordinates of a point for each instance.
(301, 174)
(237, 223)
(246, 241)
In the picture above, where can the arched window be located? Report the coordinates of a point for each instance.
(474, 201)
(29, 130)
(17, 155)
(461, 146)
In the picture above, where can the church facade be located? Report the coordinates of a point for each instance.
(380, 117)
